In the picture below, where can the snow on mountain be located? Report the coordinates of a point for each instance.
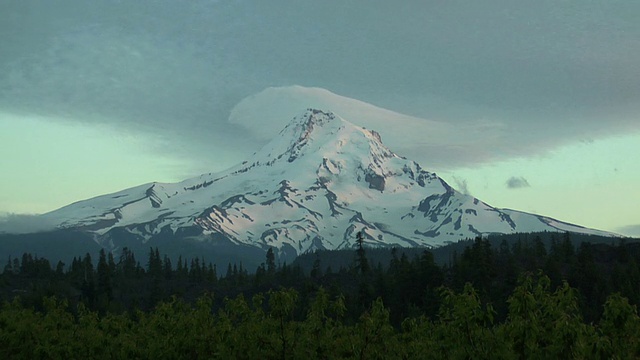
(314, 186)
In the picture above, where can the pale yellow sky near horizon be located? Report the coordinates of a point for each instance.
(49, 164)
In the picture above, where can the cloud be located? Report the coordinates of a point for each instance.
(461, 185)
(23, 223)
(630, 230)
(431, 143)
(517, 182)
(142, 70)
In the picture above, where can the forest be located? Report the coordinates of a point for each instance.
(544, 295)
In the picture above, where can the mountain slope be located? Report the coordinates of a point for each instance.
(320, 181)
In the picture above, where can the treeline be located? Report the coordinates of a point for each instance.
(443, 255)
(407, 280)
(541, 323)
(411, 296)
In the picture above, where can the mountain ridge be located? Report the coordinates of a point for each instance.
(314, 186)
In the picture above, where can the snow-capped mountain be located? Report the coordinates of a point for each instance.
(314, 186)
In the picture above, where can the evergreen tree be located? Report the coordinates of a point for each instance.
(104, 287)
(182, 271)
(127, 265)
(16, 266)
(60, 269)
(8, 268)
(88, 287)
(212, 276)
(260, 275)
(271, 262)
(154, 272)
(167, 268)
(154, 264)
(362, 264)
(316, 271)
(111, 262)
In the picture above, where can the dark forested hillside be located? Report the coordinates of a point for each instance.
(490, 287)
(63, 245)
(444, 255)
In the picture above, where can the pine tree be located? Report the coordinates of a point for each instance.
(271, 262)
(127, 265)
(260, 275)
(316, 271)
(104, 287)
(167, 268)
(212, 277)
(8, 268)
(154, 264)
(182, 272)
(362, 264)
(60, 269)
(16, 266)
(229, 276)
(88, 287)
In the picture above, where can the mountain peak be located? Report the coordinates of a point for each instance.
(317, 134)
(314, 117)
(303, 128)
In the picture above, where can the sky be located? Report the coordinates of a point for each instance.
(531, 106)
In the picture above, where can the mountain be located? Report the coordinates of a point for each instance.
(314, 186)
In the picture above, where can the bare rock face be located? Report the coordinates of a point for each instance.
(375, 181)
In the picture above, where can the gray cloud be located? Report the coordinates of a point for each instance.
(549, 72)
(630, 230)
(461, 185)
(516, 182)
(23, 223)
